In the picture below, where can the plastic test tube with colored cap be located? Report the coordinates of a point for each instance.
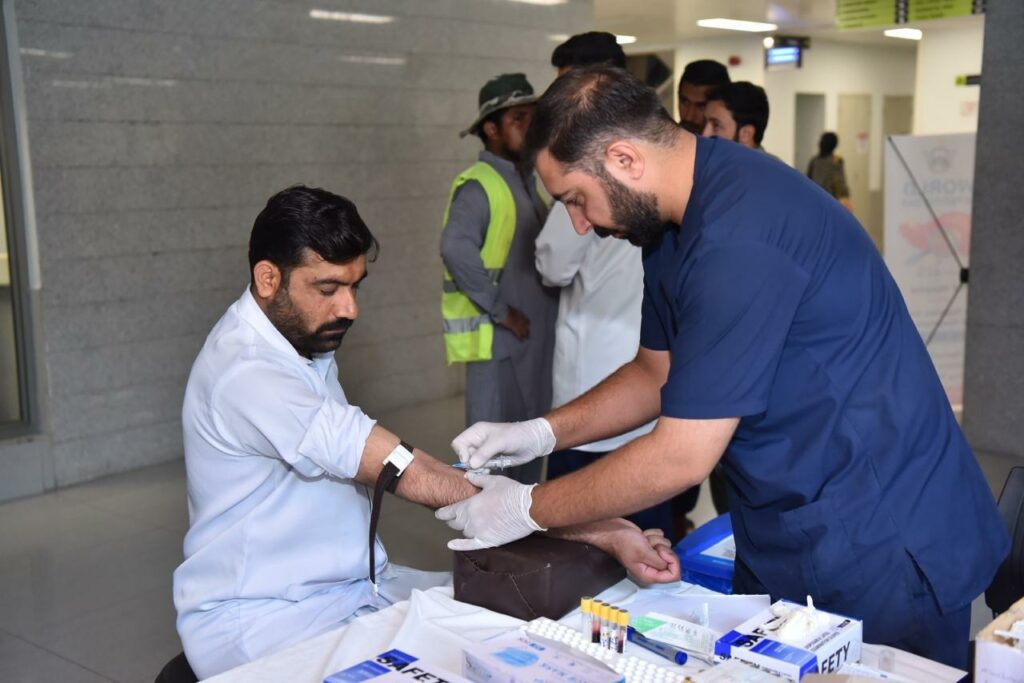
(586, 616)
(620, 632)
(608, 628)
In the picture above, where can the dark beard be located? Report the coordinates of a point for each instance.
(288, 321)
(635, 212)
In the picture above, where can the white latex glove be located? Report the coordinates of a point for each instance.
(519, 442)
(498, 514)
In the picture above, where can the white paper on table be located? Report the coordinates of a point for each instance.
(725, 612)
(437, 627)
(911, 666)
(315, 659)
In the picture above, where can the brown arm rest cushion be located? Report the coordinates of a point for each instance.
(537, 576)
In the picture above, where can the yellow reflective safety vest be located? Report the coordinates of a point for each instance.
(468, 331)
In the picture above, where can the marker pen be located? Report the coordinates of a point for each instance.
(667, 651)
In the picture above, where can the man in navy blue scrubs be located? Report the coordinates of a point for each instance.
(775, 340)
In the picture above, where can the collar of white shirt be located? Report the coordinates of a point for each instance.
(251, 313)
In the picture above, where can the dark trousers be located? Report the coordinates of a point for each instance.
(561, 463)
(901, 614)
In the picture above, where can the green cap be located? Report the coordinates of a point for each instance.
(501, 92)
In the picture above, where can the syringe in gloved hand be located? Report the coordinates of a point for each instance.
(499, 462)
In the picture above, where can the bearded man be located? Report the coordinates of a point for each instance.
(280, 466)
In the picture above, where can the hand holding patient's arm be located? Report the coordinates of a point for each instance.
(435, 484)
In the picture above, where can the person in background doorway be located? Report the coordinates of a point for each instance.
(698, 78)
(499, 318)
(602, 287)
(827, 170)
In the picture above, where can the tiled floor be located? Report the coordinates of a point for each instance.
(85, 572)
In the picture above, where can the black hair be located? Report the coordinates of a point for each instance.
(495, 118)
(747, 103)
(704, 72)
(301, 218)
(827, 144)
(584, 49)
(587, 108)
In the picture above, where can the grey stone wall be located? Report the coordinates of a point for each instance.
(157, 130)
(994, 373)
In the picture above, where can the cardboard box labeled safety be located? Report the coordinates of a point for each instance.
(823, 650)
(393, 666)
(996, 660)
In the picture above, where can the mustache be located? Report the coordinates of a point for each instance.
(339, 325)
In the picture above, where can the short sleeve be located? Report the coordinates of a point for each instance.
(271, 411)
(735, 308)
(654, 330)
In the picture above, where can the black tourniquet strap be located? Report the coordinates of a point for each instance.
(387, 480)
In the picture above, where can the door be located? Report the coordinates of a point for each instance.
(854, 131)
(810, 124)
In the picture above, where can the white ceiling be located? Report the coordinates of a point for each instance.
(660, 24)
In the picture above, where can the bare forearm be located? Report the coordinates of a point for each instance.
(642, 473)
(646, 554)
(426, 481)
(625, 481)
(628, 398)
(433, 483)
(601, 534)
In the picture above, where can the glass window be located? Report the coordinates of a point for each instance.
(10, 385)
(19, 414)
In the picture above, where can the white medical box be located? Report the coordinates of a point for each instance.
(996, 660)
(824, 650)
(393, 666)
(517, 658)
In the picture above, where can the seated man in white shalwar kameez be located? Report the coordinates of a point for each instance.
(281, 467)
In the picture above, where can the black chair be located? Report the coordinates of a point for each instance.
(177, 670)
(1008, 585)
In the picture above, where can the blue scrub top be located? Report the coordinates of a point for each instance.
(778, 309)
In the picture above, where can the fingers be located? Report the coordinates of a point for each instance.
(651, 575)
(479, 458)
(657, 539)
(450, 515)
(674, 571)
(650, 558)
(468, 544)
(481, 480)
(466, 443)
(668, 556)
